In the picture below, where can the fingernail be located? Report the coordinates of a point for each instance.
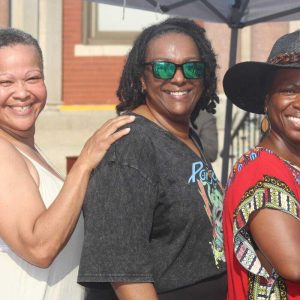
(132, 118)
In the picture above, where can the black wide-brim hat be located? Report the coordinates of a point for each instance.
(245, 84)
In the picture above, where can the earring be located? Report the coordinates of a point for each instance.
(265, 125)
(143, 91)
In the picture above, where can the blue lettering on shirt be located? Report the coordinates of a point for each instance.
(201, 172)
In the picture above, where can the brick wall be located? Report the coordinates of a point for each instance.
(4, 13)
(86, 80)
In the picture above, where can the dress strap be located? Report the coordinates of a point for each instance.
(3, 246)
(39, 166)
(24, 154)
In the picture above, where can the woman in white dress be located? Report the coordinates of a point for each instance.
(41, 228)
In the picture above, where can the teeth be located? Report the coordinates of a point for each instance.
(179, 93)
(20, 108)
(295, 120)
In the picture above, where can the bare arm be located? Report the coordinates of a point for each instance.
(135, 291)
(277, 236)
(35, 233)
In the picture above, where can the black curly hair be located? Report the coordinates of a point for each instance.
(130, 91)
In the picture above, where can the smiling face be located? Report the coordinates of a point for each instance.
(283, 106)
(22, 89)
(172, 100)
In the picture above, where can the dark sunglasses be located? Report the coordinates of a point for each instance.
(166, 70)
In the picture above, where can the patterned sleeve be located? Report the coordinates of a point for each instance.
(270, 192)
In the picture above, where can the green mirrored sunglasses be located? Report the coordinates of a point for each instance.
(166, 70)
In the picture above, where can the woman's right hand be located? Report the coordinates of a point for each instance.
(98, 144)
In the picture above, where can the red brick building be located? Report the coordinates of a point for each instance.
(89, 79)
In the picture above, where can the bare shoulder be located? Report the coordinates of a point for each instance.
(9, 153)
(5, 144)
(13, 162)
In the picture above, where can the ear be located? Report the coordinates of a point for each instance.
(143, 83)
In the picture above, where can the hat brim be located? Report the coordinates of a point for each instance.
(245, 84)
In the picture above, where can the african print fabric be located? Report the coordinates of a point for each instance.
(259, 179)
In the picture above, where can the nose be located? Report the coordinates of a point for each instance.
(178, 76)
(21, 91)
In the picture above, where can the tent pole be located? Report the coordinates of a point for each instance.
(228, 118)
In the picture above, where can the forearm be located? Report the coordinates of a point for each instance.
(271, 227)
(135, 291)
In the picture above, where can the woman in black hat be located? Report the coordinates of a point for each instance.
(261, 209)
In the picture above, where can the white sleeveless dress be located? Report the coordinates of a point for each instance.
(20, 280)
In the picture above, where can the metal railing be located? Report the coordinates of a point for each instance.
(246, 135)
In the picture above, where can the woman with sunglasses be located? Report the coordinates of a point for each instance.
(153, 207)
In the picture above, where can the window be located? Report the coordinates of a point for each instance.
(114, 25)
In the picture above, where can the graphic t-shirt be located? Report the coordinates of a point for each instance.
(152, 214)
(260, 179)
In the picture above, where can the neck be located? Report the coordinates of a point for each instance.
(180, 129)
(283, 148)
(17, 139)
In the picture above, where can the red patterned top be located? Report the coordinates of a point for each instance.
(259, 179)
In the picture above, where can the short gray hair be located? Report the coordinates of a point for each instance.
(12, 36)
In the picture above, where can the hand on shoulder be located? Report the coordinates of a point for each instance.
(98, 144)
